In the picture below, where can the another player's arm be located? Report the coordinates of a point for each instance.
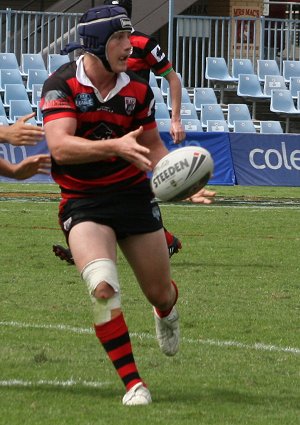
(66, 148)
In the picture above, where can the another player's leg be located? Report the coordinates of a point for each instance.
(94, 246)
(153, 274)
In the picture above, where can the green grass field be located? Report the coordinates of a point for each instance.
(239, 280)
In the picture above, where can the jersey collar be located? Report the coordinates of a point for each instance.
(122, 81)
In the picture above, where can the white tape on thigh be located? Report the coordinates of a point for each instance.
(95, 272)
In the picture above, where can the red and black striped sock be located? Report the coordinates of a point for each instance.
(115, 339)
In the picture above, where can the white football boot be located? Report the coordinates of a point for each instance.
(167, 332)
(138, 395)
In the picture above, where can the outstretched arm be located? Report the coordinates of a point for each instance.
(36, 164)
(21, 133)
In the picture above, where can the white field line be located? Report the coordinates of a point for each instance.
(211, 342)
(53, 383)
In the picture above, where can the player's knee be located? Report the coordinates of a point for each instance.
(103, 285)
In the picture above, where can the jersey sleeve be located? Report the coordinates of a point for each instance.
(156, 58)
(57, 100)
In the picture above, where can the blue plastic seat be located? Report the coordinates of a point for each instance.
(249, 87)
(244, 126)
(217, 126)
(19, 108)
(237, 111)
(9, 61)
(211, 112)
(55, 60)
(273, 82)
(10, 76)
(161, 111)
(191, 125)
(158, 95)
(14, 92)
(163, 124)
(217, 71)
(267, 67)
(188, 111)
(3, 120)
(270, 127)
(282, 103)
(36, 76)
(290, 68)
(36, 94)
(165, 84)
(31, 61)
(153, 80)
(241, 66)
(294, 86)
(185, 97)
(204, 95)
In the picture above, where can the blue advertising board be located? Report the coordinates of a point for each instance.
(266, 160)
(218, 144)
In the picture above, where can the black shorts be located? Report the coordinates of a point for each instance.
(127, 213)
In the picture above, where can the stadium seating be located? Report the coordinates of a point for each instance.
(188, 111)
(2, 109)
(237, 111)
(165, 84)
(36, 76)
(211, 112)
(158, 95)
(31, 61)
(36, 94)
(55, 60)
(217, 72)
(8, 61)
(241, 66)
(204, 95)
(267, 67)
(217, 125)
(185, 97)
(163, 124)
(14, 92)
(3, 120)
(270, 127)
(250, 89)
(191, 125)
(9, 76)
(273, 82)
(153, 80)
(244, 126)
(294, 86)
(161, 111)
(282, 103)
(19, 108)
(290, 68)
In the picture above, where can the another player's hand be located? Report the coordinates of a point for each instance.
(21, 133)
(133, 152)
(204, 196)
(36, 164)
(177, 132)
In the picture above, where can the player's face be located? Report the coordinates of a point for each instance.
(118, 50)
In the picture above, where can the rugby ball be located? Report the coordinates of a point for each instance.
(181, 173)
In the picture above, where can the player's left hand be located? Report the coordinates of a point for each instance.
(177, 132)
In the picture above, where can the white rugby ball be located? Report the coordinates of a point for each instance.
(181, 173)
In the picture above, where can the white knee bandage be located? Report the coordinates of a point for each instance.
(95, 272)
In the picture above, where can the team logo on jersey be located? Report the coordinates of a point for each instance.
(130, 103)
(85, 102)
(158, 53)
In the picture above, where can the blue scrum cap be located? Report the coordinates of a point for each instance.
(98, 24)
(95, 28)
(127, 4)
